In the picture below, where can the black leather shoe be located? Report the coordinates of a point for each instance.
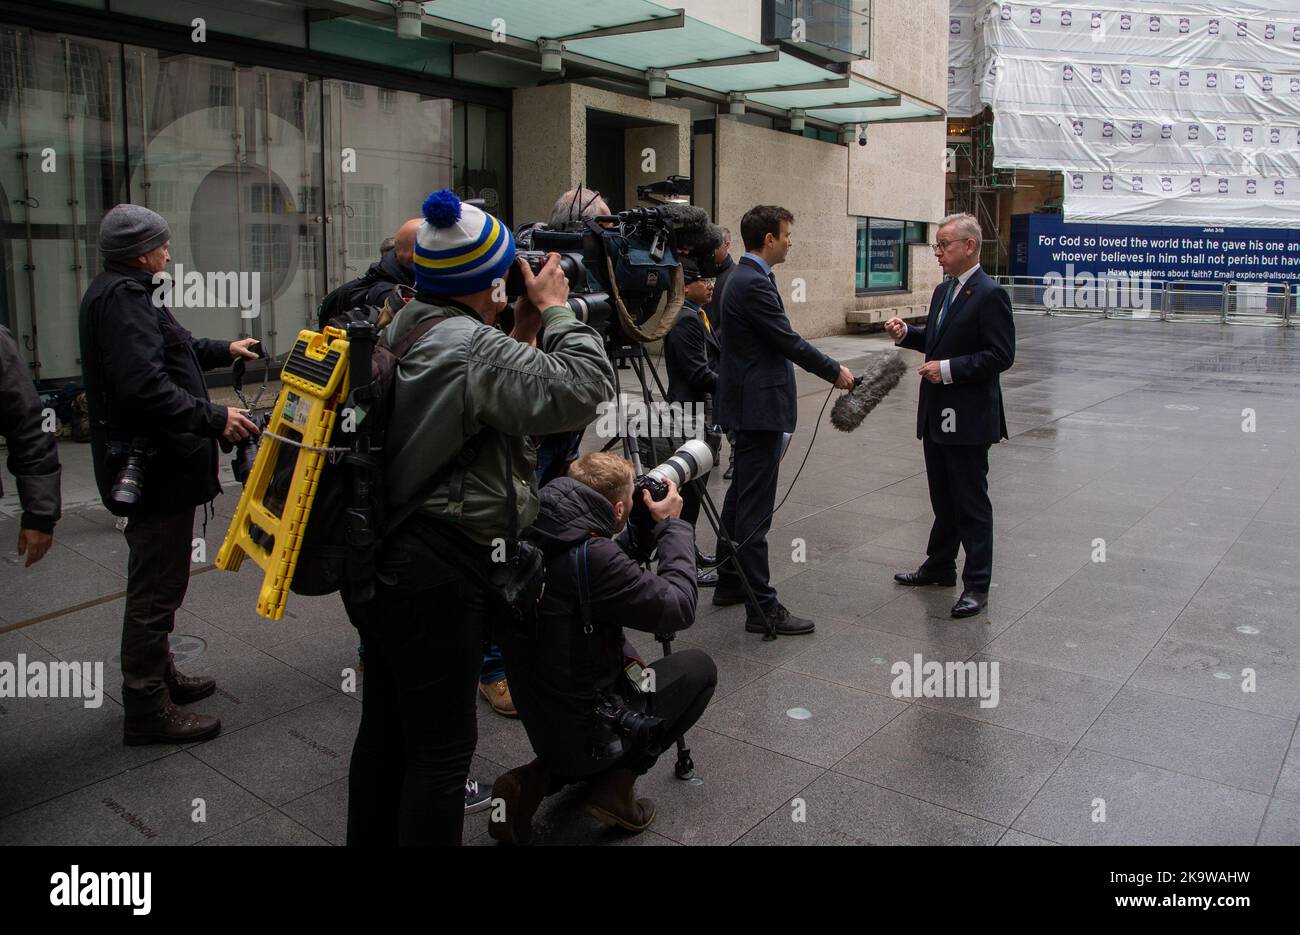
(915, 579)
(970, 603)
(184, 689)
(725, 598)
(705, 560)
(169, 724)
(786, 623)
(706, 578)
(729, 473)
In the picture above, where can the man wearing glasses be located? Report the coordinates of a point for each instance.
(968, 339)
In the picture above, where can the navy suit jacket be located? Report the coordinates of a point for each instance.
(756, 389)
(978, 338)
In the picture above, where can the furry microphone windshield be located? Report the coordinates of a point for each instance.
(881, 376)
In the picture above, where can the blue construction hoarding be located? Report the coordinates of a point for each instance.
(1044, 243)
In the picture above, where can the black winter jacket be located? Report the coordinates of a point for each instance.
(144, 380)
(33, 452)
(556, 670)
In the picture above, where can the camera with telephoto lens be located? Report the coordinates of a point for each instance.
(691, 460)
(128, 486)
(619, 728)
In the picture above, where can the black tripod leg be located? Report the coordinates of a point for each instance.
(715, 519)
(733, 556)
(685, 766)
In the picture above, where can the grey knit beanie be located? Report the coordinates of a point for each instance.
(130, 231)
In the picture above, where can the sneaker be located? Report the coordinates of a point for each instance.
(498, 696)
(478, 796)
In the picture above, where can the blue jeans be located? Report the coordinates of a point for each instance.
(492, 670)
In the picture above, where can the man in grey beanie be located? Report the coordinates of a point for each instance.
(149, 406)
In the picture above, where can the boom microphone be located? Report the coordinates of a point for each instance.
(868, 390)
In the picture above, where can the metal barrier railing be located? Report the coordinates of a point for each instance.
(1193, 301)
(1257, 303)
(1232, 303)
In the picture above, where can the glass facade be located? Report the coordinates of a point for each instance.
(882, 254)
(275, 171)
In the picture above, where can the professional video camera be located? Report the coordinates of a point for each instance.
(624, 276)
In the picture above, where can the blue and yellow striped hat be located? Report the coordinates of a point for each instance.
(460, 249)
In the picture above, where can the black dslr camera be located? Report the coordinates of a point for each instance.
(128, 486)
(693, 459)
(619, 728)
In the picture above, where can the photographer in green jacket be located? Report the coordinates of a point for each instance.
(465, 399)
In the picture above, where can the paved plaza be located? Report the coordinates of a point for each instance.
(1150, 698)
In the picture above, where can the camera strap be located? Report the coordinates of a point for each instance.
(584, 595)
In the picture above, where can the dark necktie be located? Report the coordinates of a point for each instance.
(947, 304)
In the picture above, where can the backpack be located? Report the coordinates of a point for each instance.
(347, 297)
(349, 519)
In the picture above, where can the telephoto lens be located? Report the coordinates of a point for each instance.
(693, 459)
(129, 483)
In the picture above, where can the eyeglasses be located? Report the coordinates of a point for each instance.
(945, 244)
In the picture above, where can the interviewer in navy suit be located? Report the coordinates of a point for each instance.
(968, 339)
(756, 399)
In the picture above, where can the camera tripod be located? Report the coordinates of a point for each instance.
(638, 360)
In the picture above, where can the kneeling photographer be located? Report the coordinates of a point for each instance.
(458, 466)
(591, 709)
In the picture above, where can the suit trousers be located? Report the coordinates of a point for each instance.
(963, 515)
(747, 515)
(157, 577)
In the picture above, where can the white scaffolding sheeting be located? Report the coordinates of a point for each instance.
(1163, 144)
(1173, 199)
(1157, 112)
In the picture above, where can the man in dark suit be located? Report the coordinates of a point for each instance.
(756, 399)
(968, 339)
(691, 353)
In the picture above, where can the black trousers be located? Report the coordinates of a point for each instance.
(963, 515)
(157, 576)
(747, 514)
(684, 685)
(423, 634)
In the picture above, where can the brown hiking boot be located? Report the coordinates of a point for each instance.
(612, 800)
(169, 724)
(184, 689)
(498, 695)
(521, 790)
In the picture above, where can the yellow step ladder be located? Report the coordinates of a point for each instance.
(269, 521)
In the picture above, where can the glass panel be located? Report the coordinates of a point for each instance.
(231, 157)
(861, 256)
(917, 232)
(60, 170)
(377, 42)
(385, 153)
(837, 29)
(885, 255)
(480, 169)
